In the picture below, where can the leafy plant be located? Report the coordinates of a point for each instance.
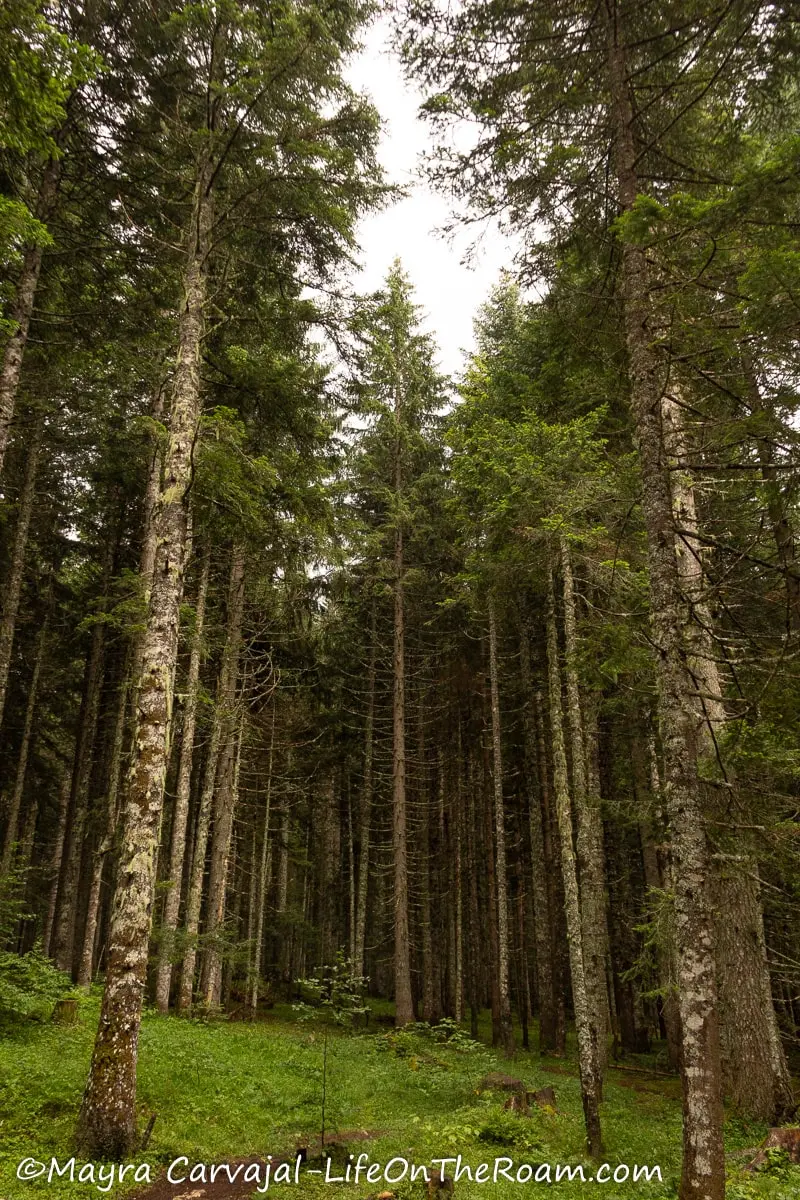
(334, 991)
(30, 984)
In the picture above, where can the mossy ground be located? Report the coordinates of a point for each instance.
(224, 1090)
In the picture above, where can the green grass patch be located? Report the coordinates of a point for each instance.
(224, 1090)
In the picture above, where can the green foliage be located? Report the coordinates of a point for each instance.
(511, 1129)
(30, 985)
(334, 992)
(225, 1091)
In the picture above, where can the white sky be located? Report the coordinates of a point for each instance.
(449, 292)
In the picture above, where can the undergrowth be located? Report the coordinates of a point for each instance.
(222, 1090)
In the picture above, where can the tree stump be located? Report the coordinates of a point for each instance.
(545, 1097)
(65, 1012)
(498, 1082)
(778, 1139)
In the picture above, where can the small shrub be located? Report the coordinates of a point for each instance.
(30, 985)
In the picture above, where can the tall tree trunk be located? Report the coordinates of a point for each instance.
(24, 753)
(428, 1006)
(658, 878)
(754, 1064)
(22, 309)
(457, 982)
(55, 862)
(554, 881)
(264, 871)
(503, 948)
(777, 508)
(365, 808)
(180, 815)
(754, 1068)
(703, 1173)
(589, 844)
(222, 868)
(110, 817)
(13, 588)
(225, 795)
(107, 1120)
(488, 961)
(588, 1064)
(540, 867)
(404, 1001)
(194, 890)
(473, 930)
(64, 933)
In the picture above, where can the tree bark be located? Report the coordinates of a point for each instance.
(777, 508)
(180, 815)
(540, 867)
(64, 933)
(403, 996)
(747, 1015)
(588, 1065)
(22, 310)
(222, 867)
(24, 753)
(264, 872)
(703, 1172)
(503, 949)
(226, 793)
(365, 808)
(589, 844)
(107, 1120)
(13, 588)
(106, 835)
(55, 862)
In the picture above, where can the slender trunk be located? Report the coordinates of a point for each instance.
(264, 871)
(777, 507)
(473, 931)
(703, 1173)
(225, 796)
(22, 310)
(24, 753)
(222, 868)
(658, 878)
(111, 815)
(458, 887)
(404, 1002)
(351, 876)
(180, 815)
(489, 961)
(13, 588)
(55, 862)
(503, 951)
(194, 891)
(426, 856)
(79, 805)
(540, 867)
(107, 1120)
(554, 882)
(282, 899)
(587, 1047)
(589, 830)
(365, 809)
(250, 932)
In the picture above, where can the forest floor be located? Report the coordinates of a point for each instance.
(230, 1092)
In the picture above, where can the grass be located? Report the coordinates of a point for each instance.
(224, 1090)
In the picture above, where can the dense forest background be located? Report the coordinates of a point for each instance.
(483, 689)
